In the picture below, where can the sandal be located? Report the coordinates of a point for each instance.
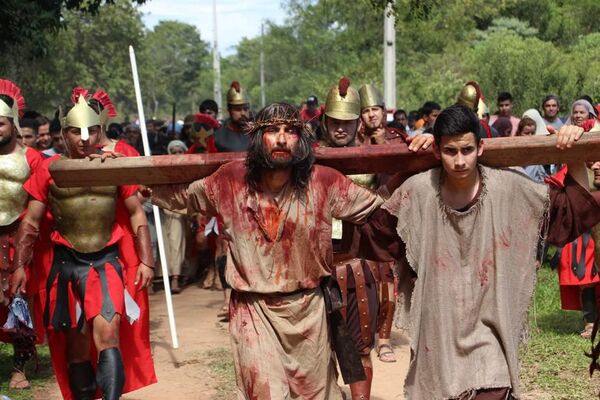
(18, 381)
(223, 315)
(587, 331)
(386, 353)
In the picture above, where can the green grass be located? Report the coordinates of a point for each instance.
(220, 363)
(553, 364)
(38, 379)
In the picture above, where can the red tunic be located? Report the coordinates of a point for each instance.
(583, 247)
(134, 339)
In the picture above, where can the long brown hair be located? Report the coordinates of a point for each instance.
(257, 160)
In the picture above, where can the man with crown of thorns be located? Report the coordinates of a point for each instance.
(277, 209)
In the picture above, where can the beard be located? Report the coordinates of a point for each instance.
(271, 162)
(4, 140)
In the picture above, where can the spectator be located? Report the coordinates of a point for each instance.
(311, 113)
(157, 137)
(44, 140)
(58, 143)
(503, 126)
(551, 108)
(540, 123)
(209, 107)
(429, 113)
(505, 106)
(28, 134)
(400, 120)
(583, 115)
(186, 131)
(413, 116)
(133, 136)
(114, 131)
(174, 225)
(526, 127)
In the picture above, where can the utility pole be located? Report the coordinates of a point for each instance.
(262, 67)
(389, 56)
(216, 62)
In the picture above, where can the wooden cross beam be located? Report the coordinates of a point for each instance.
(155, 170)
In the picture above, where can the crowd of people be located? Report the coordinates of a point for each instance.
(312, 263)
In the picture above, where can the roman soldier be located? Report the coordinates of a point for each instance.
(17, 162)
(90, 309)
(373, 115)
(357, 277)
(230, 136)
(470, 96)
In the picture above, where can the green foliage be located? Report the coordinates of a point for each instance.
(528, 47)
(178, 69)
(28, 21)
(553, 364)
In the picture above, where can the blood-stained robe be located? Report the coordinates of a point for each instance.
(279, 250)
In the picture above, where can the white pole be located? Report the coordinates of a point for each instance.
(262, 67)
(389, 57)
(159, 234)
(216, 63)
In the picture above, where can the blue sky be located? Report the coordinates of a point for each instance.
(236, 18)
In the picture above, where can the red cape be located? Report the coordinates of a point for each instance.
(570, 285)
(134, 339)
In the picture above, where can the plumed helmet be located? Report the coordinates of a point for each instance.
(15, 111)
(343, 101)
(236, 95)
(370, 97)
(482, 109)
(469, 95)
(81, 115)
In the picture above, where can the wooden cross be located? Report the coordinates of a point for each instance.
(390, 158)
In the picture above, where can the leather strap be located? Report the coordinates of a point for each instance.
(143, 246)
(362, 301)
(24, 240)
(386, 309)
(341, 273)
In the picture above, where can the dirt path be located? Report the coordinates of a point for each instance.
(201, 367)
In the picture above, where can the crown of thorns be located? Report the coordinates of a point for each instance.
(282, 116)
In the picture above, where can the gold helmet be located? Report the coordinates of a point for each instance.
(469, 95)
(82, 115)
(343, 101)
(370, 97)
(11, 90)
(482, 109)
(236, 95)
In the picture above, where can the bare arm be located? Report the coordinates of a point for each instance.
(137, 216)
(143, 245)
(566, 137)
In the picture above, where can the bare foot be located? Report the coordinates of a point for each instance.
(18, 380)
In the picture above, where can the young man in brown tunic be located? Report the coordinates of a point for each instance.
(471, 235)
(277, 209)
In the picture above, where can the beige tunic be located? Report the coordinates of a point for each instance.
(476, 274)
(278, 252)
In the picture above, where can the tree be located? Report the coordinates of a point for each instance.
(26, 22)
(179, 69)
